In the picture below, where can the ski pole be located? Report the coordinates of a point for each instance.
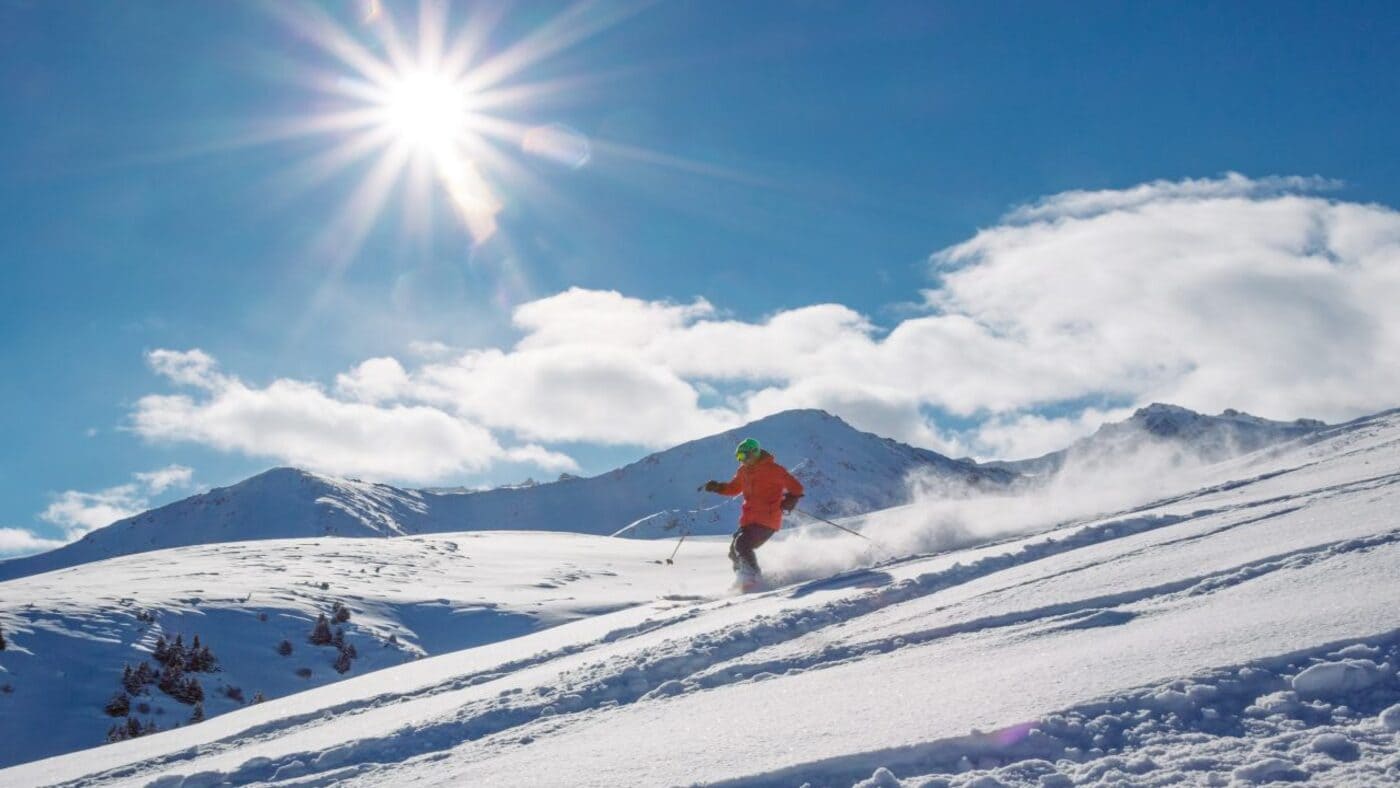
(838, 525)
(671, 560)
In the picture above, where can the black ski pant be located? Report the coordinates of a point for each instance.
(747, 539)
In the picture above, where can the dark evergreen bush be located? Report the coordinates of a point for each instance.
(118, 706)
(321, 633)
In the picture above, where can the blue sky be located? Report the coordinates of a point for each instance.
(750, 162)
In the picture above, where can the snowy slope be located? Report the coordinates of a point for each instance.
(1169, 429)
(1244, 630)
(846, 471)
(71, 631)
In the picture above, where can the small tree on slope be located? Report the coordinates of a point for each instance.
(321, 633)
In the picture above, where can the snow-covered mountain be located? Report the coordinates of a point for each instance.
(1240, 632)
(845, 472)
(1163, 428)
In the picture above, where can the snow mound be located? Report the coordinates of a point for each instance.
(1390, 718)
(1328, 679)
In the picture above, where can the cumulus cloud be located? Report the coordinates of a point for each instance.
(1281, 305)
(77, 512)
(1257, 294)
(297, 422)
(1080, 203)
(162, 479)
(429, 349)
(375, 380)
(18, 541)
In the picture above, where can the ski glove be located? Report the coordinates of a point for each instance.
(789, 501)
(714, 486)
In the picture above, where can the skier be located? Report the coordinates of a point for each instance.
(768, 490)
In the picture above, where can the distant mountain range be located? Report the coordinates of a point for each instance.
(1194, 436)
(845, 471)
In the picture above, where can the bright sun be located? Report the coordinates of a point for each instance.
(428, 111)
(425, 110)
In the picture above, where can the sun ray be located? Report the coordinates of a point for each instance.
(325, 165)
(562, 31)
(323, 31)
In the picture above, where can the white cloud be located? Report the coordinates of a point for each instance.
(1280, 305)
(298, 423)
(1020, 436)
(78, 512)
(570, 393)
(429, 349)
(17, 541)
(1080, 203)
(162, 479)
(188, 367)
(375, 380)
(1210, 293)
(601, 318)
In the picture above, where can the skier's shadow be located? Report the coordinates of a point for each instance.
(860, 578)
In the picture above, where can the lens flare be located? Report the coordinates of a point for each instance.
(558, 143)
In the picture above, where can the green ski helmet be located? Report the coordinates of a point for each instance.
(748, 447)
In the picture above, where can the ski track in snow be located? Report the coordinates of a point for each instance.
(1325, 710)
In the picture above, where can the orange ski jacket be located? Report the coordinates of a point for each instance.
(762, 485)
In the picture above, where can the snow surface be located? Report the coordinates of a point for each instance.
(844, 470)
(1240, 631)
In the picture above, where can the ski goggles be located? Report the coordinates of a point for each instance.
(742, 455)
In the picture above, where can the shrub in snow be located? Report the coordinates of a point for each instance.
(198, 714)
(304, 672)
(340, 613)
(257, 697)
(321, 633)
(285, 648)
(6, 689)
(171, 678)
(191, 692)
(200, 659)
(176, 684)
(142, 677)
(118, 706)
(338, 639)
(130, 729)
(342, 663)
(234, 694)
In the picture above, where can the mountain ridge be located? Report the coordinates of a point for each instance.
(846, 471)
(1194, 436)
